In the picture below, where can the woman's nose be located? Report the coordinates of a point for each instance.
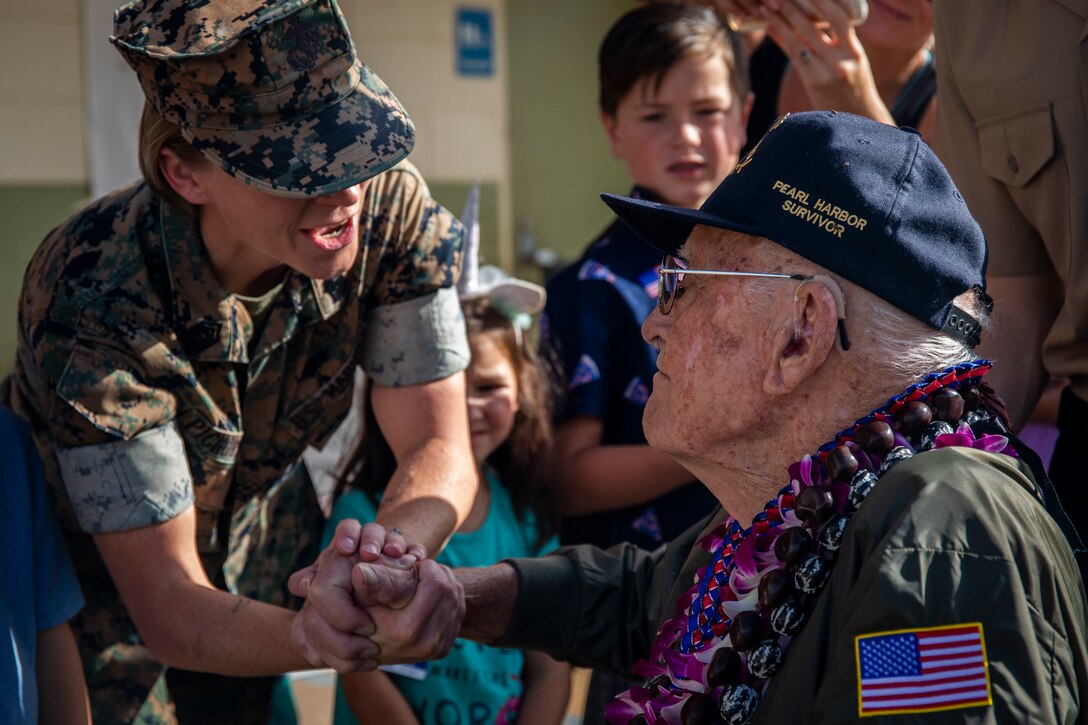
(345, 197)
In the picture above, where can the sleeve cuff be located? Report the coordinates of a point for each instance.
(546, 615)
(417, 341)
(128, 484)
(61, 611)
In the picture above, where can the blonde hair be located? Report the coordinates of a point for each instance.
(156, 134)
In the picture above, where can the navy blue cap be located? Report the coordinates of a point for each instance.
(866, 200)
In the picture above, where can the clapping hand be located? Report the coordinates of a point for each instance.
(827, 56)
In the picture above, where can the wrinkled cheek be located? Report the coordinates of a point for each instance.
(688, 394)
(649, 419)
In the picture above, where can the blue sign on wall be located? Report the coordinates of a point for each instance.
(475, 42)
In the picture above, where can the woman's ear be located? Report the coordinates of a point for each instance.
(802, 338)
(184, 178)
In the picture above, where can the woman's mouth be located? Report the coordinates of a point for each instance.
(332, 238)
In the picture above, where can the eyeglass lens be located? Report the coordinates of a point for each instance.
(669, 284)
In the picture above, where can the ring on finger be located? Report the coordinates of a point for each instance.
(806, 55)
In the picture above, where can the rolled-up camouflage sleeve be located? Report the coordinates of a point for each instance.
(118, 451)
(415, 332)
(416, 341)
(128, 484)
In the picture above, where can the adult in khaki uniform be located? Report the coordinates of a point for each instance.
(1013, 131)
(884, 546)
(183, 340)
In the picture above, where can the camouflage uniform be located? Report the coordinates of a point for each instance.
(146, 394)
(144, 381)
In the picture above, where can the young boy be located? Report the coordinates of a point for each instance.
(674, 101)
(41, 678)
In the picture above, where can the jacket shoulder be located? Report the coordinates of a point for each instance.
(961, 499)
(88, 255)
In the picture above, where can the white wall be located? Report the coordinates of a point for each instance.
(69, 105)
(113, 103)
(462, 123)
(41, 93)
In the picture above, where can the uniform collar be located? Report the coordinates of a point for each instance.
(212, 324)
(303, 301)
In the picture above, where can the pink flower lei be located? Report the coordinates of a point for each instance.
(714, 658)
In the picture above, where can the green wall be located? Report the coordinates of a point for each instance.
(560, 156)
(28, 213)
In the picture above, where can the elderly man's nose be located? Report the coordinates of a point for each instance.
(653, 327)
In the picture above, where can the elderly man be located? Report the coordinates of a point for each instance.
(884, 545)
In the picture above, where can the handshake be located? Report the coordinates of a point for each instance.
(371, 599)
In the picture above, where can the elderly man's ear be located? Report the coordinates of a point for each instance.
(801, 338)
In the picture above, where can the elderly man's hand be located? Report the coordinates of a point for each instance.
(417, 613)
(358, 542)
(331, 630)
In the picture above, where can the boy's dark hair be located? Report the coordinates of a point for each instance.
(648, 41)
(523, 462)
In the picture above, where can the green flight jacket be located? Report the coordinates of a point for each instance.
(952, 536)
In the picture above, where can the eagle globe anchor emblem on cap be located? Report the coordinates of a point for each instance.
(751, 152)
(302, 55)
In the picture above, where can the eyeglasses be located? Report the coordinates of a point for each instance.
(673, 269)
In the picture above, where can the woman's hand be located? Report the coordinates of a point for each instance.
(827, 56)
(331, 629)
(374, 543)
(358, 542)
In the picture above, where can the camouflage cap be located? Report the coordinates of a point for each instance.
(273, 92)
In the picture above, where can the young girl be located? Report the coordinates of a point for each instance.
(509, 408)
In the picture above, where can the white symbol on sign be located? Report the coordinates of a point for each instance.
(471, 35)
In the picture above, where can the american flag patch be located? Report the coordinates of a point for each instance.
(922, 670)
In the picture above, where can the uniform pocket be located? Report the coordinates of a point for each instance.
(212, 452)
(1015, 147)
(110, 394)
